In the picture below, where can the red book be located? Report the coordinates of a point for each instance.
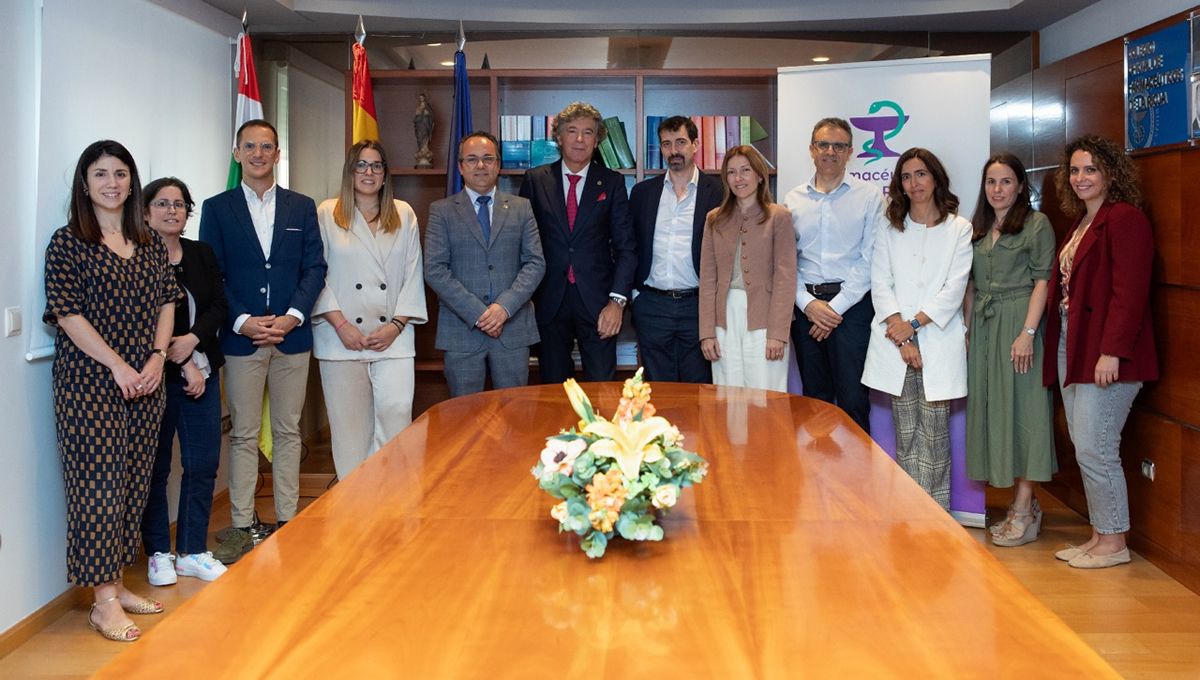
(699, 121)
(708, 144)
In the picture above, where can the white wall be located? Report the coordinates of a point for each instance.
(1102, 22)
(153, 75)
(317, 126)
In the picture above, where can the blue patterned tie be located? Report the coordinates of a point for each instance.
(485, 217)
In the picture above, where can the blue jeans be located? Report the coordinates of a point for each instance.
(198, 422)
(1095, 418)
(832, 370)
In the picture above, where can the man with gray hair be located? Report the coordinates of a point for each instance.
(582, 213)
(835, 216)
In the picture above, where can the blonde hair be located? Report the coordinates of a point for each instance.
(343, 210)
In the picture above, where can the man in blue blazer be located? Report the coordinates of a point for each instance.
(483, 258)
(668, 223)
(582, 213)
(268, 246)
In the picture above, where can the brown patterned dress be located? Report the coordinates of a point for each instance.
(106, 442)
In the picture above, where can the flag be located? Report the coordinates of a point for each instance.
(249, 107)
(460, 119)
(249, 101)
(365, 124)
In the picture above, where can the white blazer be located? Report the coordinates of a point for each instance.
(371, 279)
(921, 269)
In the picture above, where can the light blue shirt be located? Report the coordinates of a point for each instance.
(835, 237)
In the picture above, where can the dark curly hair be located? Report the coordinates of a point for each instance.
(1116, 167)
(943, 198)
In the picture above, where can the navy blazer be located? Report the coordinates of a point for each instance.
(643, 205)
(199, 274)
(292, 276)
(600, 248)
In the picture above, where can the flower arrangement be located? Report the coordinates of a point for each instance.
(613, 476)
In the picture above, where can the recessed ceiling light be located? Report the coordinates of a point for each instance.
(434, 45)
(447, 63)
(820, 60)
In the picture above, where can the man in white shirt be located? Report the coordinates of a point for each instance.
(835, 216)
(268, 246)
(668, 214)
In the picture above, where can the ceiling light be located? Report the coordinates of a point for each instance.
(434, 45)
(447, 63)
(820, 60)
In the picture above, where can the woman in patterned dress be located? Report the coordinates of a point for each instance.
(111, 293)
(1010, 440)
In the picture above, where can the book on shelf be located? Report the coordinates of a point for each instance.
(733, 131)
(718, 141)
(516, 134)
(619, 141)
(708, 145)
(608, 154)
(654, 158)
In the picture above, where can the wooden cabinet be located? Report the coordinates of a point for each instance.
(631, 95)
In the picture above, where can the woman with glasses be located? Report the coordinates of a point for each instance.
(193, 396)
(918, 350)
(111, 293)
(1099, 320)
(374, 293)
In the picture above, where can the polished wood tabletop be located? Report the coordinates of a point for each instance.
(805, 553)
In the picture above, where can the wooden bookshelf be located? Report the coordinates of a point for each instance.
(629, 94)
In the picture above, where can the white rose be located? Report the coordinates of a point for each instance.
(665, 496)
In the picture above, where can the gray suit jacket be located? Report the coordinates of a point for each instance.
(468, 274)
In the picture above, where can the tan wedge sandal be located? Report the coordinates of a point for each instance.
(114, 633)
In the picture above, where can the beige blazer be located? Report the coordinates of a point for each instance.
(768, 270)
(371, 278)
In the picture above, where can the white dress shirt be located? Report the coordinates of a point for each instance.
(262, 216)
(474, 196)
(671, 266)
(835, 237)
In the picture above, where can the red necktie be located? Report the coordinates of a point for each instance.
(572, 211)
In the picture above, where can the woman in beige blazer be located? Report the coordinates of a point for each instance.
(374, 293)
(747, 279)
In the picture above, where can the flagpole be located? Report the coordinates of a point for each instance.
(460, 125)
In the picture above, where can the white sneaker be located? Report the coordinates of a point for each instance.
(160, 571)
(201, 565)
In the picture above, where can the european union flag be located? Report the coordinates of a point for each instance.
(460, 122)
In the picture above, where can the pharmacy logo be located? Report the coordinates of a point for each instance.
(883, 128)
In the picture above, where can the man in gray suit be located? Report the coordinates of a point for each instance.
(483, 258)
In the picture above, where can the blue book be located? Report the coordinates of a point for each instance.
(653, 151)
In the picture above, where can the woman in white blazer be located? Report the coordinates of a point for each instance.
(374, 293)
(917, 351)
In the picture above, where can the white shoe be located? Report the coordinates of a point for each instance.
(160, 571)
(201, 565)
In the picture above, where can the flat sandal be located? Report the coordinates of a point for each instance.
(114, 633)
(144, 606)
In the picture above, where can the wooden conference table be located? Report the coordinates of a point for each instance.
(806, 553)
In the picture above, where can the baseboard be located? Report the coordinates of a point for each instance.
(33, 624)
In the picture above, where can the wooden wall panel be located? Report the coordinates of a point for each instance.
(1048, 119)
(1095, 103)
(1176, 394)
(1154, 506)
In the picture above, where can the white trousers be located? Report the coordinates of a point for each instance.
(369, 402)
(743, 361)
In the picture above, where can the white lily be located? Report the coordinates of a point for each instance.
(629, 442)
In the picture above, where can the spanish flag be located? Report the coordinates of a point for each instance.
(364, 123)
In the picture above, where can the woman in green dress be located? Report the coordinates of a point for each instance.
(1010, 440)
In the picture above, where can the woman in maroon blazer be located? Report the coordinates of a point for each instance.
(1099, 318)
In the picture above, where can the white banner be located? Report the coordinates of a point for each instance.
(940, 103)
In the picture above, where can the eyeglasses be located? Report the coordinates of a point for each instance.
(164, 204)
(486, 161)
(361, 167)
(266, 147)
(840, 147)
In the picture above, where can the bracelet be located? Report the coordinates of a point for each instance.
(398, 323)
(339, 326)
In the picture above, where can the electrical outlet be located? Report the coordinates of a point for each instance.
(12, 321)
(1148, 469)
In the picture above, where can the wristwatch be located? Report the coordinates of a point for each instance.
(618, 299)
(1030, 331)
(916, 325)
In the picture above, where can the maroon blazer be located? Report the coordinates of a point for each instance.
(1110, 300)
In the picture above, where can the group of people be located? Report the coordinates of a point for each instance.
(720, 279)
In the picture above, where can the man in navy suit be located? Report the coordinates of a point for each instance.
(668, 223)
(582, 212)
(268, 247)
